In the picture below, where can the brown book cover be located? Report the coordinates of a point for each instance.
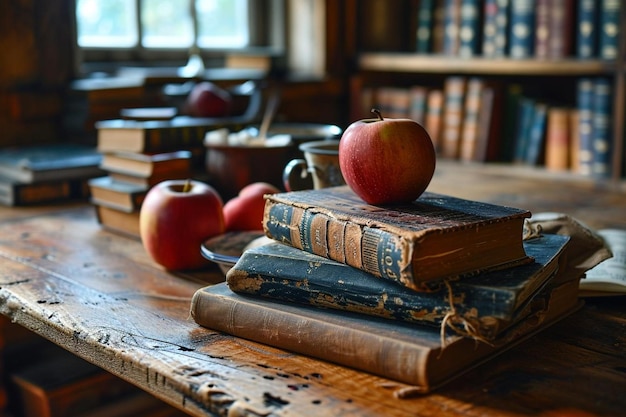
(409, 353)
(118, 220)
(434, 110)
(471, 119)
(557, 139)
(146, 164)
(434, 237)
(452, 122)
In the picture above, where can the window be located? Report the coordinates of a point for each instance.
(145, 30)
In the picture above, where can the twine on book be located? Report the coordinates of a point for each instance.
(459, 324)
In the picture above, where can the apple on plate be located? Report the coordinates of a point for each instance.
(387, 161)
(245, 211)
(176, 217)
(207, 99)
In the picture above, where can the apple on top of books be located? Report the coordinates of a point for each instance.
(387, 161)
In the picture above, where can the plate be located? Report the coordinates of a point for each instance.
(226, 248)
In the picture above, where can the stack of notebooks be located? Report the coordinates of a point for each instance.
(135, 156)
(417, 293)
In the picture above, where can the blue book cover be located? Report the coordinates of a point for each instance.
(526, 111)
(425, 26)
(601, 128)
(469, 32)
(609, 29)
(451, 28)
(521, 29)
(586, 29)
(584, 104)
(536, 135)
(488, 301)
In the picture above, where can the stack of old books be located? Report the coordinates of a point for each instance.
(136, 155)
(417, 293)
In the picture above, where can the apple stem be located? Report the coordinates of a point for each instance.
(187, 186)
(377, 113)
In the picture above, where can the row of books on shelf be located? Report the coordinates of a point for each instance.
(541, 29)
(475, 119)
(418, 293)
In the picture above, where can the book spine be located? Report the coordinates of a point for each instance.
(536, 138)
(469, 137)
(601, 128)
(469, 32)
(557, 139)
(584, 103)
(512, 98)
(374, 251)
(609, 29)
(417, 109)
(454, 91)
(521, 28)
(560, 28)
(434, 116)
(586, 29)
(542, 28)
(452, 24)
(526, 110)
(424, 27)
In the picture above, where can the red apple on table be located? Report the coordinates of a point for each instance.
(207, 99)
(387, 161)
(176, 217)
(245, 211)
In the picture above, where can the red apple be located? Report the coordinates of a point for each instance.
(176, 217)
(245, 211)
(207, 99)
(387, 161)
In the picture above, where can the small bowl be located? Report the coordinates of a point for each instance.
(226, 248)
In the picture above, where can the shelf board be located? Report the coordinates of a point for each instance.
(409, 62)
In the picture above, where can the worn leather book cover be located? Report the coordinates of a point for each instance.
(481, 305)
(405, 352)
(434, 237)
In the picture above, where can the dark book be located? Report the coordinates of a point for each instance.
(122, 195)
(561, 15)
(536, 135)
(15, 193)
(526, 112)
(29, 164)
(495, 24)
(434, 237)
(586, 29)
(601, 127)
(510, 121)
(542, 28)
(584, 104)
(609, 29)
(521, 29)
(424, 26)
(147, 164)
(482, 305)
(405, 352)
(470, 25)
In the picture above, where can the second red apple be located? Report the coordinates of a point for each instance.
(245, 211)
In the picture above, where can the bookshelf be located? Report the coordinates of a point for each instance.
(393, 62)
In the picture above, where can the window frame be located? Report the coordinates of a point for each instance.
(267, 34)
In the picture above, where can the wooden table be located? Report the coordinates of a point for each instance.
(99, 296)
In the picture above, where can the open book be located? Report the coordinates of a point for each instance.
(609, 276)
